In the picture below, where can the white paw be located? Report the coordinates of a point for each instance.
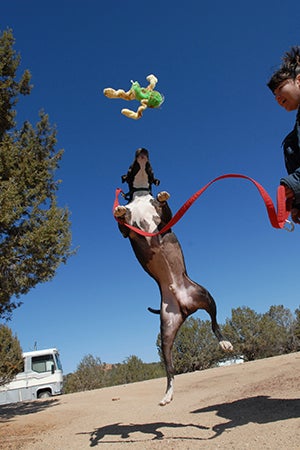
(166, 400)
(163, 196)
(168, 396)
(226, 346)
(120, 211)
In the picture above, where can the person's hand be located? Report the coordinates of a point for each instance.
(289, 197)
(295, 214)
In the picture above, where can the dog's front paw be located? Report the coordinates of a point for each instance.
(163, 196)
(120, 211)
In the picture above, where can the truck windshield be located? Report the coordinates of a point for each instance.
(58, 363)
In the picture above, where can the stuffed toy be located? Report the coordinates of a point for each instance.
(148, 97)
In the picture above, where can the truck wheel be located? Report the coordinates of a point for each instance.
(44, 394)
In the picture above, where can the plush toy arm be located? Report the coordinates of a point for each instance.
(152, 82)
(120, 93)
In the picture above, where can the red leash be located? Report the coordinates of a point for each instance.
(278, 219)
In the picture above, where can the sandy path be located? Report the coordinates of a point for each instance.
(248, 406)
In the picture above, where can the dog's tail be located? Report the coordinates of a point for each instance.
(154, 311)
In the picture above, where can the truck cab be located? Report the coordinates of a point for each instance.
(41, 377)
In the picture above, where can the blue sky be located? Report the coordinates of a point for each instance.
(213, 60)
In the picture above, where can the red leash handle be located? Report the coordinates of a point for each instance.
(278, 219)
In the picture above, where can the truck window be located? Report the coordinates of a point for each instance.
(42, 363)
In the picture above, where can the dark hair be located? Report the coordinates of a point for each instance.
(141, 151)
(133, 170)
(289, 68)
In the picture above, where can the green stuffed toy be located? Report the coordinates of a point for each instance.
(148, 97)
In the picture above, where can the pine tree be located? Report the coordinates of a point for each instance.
(35, 233)
(11, 360)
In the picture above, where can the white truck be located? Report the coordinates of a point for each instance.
(42, 377)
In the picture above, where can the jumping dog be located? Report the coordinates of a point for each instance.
(162, 258)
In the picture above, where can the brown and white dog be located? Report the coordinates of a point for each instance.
(162, 258)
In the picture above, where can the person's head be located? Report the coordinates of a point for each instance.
(285, 82)
(142, 153)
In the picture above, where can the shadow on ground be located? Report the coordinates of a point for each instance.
(7, 412)
(124, 431)
(261, 409)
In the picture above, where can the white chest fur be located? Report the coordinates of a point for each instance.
(143, 212)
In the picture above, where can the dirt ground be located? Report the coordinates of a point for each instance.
(255, 405)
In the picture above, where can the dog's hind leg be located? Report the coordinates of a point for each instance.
(209, 305)
(224, 344)
(169, 326)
